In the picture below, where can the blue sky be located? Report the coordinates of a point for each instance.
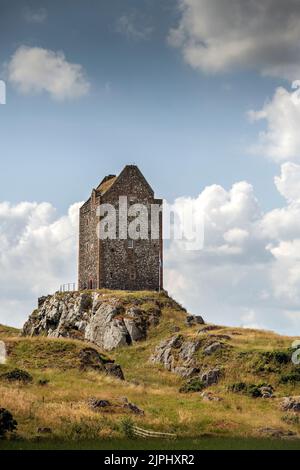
(146, 105)
(197, 93)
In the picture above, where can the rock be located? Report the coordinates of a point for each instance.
(211, 377)
(91, 359)
(133, 408)
(2, 352)
(207, 328)
(192, 320)
(17, 375)
(188, 350)
(106, 330)
(42, 300)
(107, 321)
(275, 432)
(135, 331)
(96, 404)
(216, 346)
(291, 404)
(177, 356)
(266, 391)
(114, 370)
(186, 372)
(208, 396)
(189, 321)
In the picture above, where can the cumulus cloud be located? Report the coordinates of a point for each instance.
(281, 140)
(248, 272)
(133, 26)
(38, 253)
(34, 70)
(217, 36)
(288, 182)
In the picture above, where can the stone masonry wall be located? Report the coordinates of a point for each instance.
(114, 264)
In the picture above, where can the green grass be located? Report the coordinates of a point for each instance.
(249, 356)
(137, 444)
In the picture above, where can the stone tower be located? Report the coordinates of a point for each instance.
(122, 262)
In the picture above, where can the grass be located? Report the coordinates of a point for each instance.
(249, 356)
(138, 444)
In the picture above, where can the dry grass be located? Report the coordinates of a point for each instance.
(62, 404)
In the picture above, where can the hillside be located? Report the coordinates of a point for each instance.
(188, 378)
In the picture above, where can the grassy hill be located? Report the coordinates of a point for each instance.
(57, 397)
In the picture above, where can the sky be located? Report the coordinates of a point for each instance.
(202, 95)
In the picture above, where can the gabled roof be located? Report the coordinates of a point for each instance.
(106, 183)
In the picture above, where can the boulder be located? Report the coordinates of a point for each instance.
(266, 391)
(114, 370)
(208, 396)
(291, 404)
(2, 352)
(213, 347)
(91, 359)
(177, 355)
(211, 377)
(96, 404)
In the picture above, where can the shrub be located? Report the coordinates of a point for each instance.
(17, 375)
(239, 387)
(280, 357)
(7, 422)
(193, 385)
(292, 377)
(127, 427)
(252, 390)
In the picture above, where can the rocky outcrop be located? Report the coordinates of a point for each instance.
(177, 355)
(107, 321)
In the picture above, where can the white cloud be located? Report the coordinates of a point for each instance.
(38, 253)
(34, 70)
(133, 26)
(217, 36)
(288, 183)
(248, 273)
(281, 140)
(35, 16)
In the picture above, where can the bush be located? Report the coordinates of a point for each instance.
(293, 378)
(7, 422)
(127, 427)
(280, 357)
(193, 385)
(17, 375)
(252, 390)
(239, 387)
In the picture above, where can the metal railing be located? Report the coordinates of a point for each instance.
(71, 286)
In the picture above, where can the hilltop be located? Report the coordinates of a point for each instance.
(180, 375)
